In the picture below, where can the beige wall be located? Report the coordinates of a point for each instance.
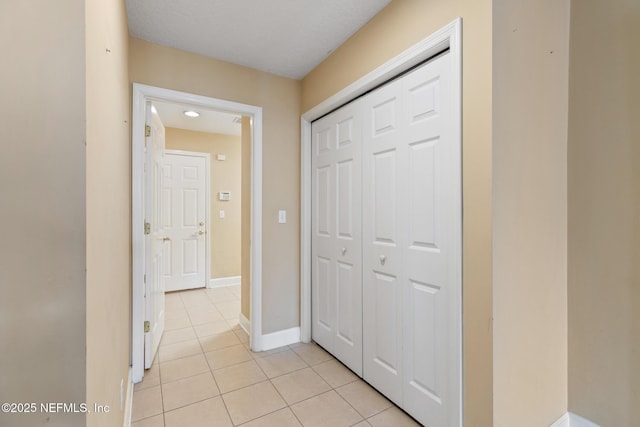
(530, 109)
(42, 206)
(280, 99)
(604, 212)
(108, 208)
(397, 27)
(225, 176)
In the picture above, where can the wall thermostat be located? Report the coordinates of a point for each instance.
(224, 196)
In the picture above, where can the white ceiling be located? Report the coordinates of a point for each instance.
(284, 37)
(172, 115)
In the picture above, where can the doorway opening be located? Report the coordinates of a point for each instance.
(250, 119)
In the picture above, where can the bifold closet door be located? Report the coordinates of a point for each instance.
(336, 247)
(409, 243)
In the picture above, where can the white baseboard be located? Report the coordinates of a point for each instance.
(572, 420)
(128, 403)
(244, 323)
(224, 281)
(280, 338)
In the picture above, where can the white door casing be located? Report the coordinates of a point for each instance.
(142, 94)
(184, 199)
(154, 283)
(336, 250)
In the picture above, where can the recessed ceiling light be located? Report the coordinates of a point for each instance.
(191, 113)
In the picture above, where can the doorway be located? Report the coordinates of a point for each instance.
(141, 95)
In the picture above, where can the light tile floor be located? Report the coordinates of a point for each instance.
(205, 375)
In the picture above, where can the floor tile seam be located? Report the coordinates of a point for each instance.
(210, 335)
(328, 391)
(188, 376)
(351, 406)
(286, 405)
(332, 387)
(194, 403)
(227, 366)
(218, 348)
(146, 418)
(355, 409)
(245, 386)
(162, 362)
(182, 357)
(286, 373)
(213, 376)
(172, 343)
(264, 415)
(212, 310)
(306, 398)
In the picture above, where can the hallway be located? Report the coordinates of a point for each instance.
(204, 375)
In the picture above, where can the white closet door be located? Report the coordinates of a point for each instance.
(410, 163)
(431, 251)
(383, 240)
(336, 235)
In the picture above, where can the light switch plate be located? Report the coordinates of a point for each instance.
(221, 214)
(282, 217)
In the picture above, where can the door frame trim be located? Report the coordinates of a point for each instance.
(449, 36)
(141, 94)
(207, 205)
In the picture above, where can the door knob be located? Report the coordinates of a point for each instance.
(165, 238)
(200, 232)
(383, 259)
(201, 223)
(344, 251)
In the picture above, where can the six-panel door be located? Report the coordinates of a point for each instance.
(336, 245)
(410, 232)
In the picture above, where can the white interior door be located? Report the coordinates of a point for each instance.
(184, 193)
(154, 286)
(431, 254)
(411, 244)
(337, 241)
(383, 240)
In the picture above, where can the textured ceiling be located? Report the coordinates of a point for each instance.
(284, 37)
(172, 115)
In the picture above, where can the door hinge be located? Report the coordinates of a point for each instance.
(147, 130)
(147, 228)
(147, 326)
(144, 279)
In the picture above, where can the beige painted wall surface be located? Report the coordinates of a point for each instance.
(108, 209)
(245, 292)
(396, 28)
(225, 176)
(530, 110)
(280, 99)
(604, 212)
(42, 206)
